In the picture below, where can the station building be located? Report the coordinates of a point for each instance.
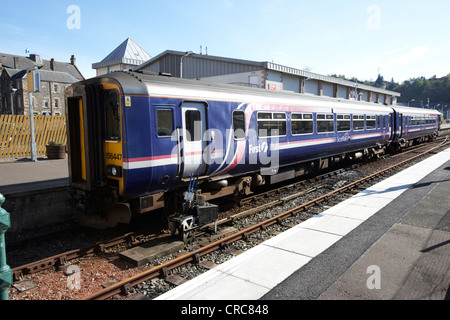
(126, 56)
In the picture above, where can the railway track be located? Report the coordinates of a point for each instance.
(135, 238)
(163, 270)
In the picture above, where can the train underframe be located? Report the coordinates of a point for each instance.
(103, 208)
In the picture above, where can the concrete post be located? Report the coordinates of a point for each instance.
(5, 270)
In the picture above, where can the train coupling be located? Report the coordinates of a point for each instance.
(195, 214)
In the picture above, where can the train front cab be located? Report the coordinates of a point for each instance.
(95, 153)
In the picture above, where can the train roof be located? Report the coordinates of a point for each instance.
(416, 111)
(138, 83)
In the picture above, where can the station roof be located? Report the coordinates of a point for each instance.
(128, 52)
(253, 65)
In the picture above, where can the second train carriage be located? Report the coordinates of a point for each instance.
(136, 140)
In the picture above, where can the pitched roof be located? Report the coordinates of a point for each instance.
(27, 63)
(128, 52)
(46, 75)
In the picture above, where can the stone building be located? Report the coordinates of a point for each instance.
(55, 78)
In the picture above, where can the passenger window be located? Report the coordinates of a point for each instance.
(192, 118)
(239, 124)
(325, 123)
(358, 122)
(302, 123)
(371, 122)
(164, 119)
(271, 124)
(343, 122)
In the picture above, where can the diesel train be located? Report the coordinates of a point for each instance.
(139, 142)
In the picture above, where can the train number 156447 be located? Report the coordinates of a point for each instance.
(113, 156)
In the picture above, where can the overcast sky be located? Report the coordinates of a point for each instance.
(356, 38)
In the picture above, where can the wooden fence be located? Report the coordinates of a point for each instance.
(15, 134)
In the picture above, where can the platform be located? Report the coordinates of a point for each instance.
(394, 235)
(25, 175)
(36, 192)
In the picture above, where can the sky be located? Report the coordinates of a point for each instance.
(398, 39)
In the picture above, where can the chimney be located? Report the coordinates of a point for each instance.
(73, 60)
(16, 63)
(52, 64)
(36, 58)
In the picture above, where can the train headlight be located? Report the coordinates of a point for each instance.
(114, 171)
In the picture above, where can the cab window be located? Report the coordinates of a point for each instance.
(112, 114)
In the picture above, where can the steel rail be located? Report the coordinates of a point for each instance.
(163, 269)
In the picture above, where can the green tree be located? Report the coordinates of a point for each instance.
(379, 83)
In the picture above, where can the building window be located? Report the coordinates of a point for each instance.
(164, 118)
(46, 103)
(302, 123)
(56, 102)
(271, 124)
(325, 123)
(239, 125)
(55, 88)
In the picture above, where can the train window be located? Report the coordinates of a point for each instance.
(325, 123)
(371, 122)
(239, 124)
(164, 118)
(271, 124)
(112, 114)
(343, 122)
(192, 118)
(302, 123)
(358, 122)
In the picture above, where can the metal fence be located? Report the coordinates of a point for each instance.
(15, 134)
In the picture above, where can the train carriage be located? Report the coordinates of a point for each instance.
(415, 124)
(136, 140)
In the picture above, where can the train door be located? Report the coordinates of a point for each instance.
(400, 126)
(193, 145)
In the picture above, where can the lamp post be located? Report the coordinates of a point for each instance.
(13, 94)
(188, 53)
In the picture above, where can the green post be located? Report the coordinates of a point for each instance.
(5, 270)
